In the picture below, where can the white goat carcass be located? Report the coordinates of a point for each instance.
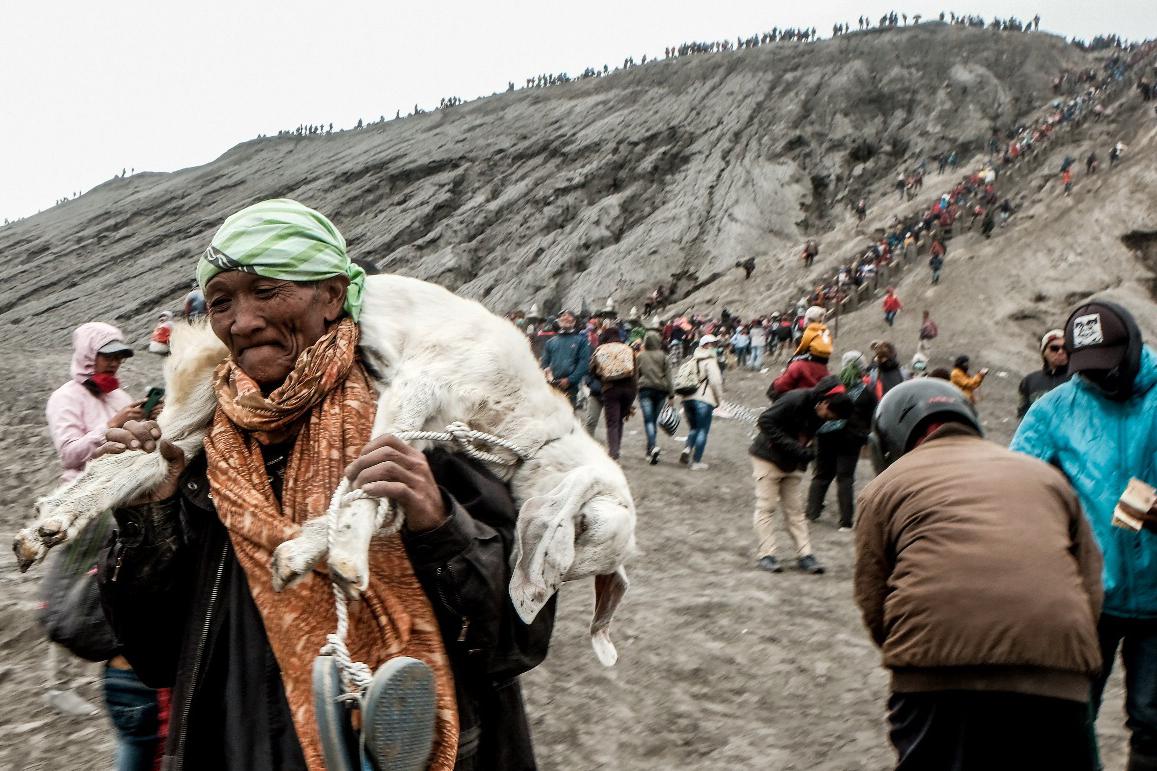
(436, 359)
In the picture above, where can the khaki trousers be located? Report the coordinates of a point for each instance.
(778, 489)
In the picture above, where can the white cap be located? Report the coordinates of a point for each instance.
(1052, 334)
(851, 356)
(708, 339)
(815, 313)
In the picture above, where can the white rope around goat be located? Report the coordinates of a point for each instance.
(355, 675)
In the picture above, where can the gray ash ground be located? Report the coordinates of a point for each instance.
(721, 666)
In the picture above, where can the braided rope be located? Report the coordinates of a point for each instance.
(355, 675)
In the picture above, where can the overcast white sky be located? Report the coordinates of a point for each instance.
(91, 88)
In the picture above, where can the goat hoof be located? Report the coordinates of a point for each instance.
(28, 549)
(349, 576)
(604, 648)
(285, 572)
(52, 532)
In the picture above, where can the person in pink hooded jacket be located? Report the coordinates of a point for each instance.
(79, 413)
(81, 410)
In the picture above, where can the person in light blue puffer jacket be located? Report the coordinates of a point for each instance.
(1100, 429)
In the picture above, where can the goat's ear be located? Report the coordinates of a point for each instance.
(544, 542)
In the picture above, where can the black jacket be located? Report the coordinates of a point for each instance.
(783, 428)
(180, 605)
(1037, 384)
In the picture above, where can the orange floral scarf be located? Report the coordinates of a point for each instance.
(329, 403)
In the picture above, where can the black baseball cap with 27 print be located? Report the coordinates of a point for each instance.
(1097, 336)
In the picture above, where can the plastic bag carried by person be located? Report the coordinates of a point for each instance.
(669, 419)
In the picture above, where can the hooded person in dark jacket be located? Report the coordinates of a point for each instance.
(779, 454)
(655, 388)
(838, 445)
(1054, 372)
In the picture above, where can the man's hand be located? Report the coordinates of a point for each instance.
(563, 383)
(145, 435)
(130, 412)
(390, 468)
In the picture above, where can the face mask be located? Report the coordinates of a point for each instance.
(1111, 382)
(105, 383)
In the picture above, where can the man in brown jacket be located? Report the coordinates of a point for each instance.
(978, 577)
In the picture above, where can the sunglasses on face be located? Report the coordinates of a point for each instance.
(1055, 348)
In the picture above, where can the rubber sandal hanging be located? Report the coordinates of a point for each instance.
(399, 712)
(339, 741)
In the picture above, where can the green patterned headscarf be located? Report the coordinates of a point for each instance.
(284, 240)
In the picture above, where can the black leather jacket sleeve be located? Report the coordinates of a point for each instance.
(146, 581)
(463, 565)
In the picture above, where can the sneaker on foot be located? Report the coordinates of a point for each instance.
(809, 564)
(770, 564)
(699, 467)
(685, 456)
(845, 527)
(653, 456)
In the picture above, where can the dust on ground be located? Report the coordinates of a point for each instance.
(721, 666)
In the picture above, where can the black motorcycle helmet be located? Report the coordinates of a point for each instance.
(910, 406)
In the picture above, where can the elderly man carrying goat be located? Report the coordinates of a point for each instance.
(186, 582)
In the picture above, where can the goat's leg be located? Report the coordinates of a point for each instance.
(609, 591)
(107, 483)
(297, 556)
(403, 406)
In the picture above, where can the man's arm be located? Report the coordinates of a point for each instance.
(873, 566)
(1034, 435)
(464, 567)
(770, 425)
(146, 579)
(582, 359)
(787, 381)
(459, 533)
(547, 351)
(74, 444)
(1024, 403)
(1086, 551)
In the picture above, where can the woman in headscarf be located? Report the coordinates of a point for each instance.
(295, 408)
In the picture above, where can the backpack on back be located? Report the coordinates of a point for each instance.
(687, 379)
(821, 344)
(616, 361)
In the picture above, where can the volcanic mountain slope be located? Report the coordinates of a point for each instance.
(565, 194)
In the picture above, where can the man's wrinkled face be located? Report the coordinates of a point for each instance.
(566, 322)
(266, 323)
(108, 364)
(1055, 354)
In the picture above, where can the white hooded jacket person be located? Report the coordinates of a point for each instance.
(711, 379)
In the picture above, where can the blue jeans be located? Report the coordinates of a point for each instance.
(889, 317)
(699, 422)
(1137, 639)
(756, 360)
(650, 403)
(132, 707)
